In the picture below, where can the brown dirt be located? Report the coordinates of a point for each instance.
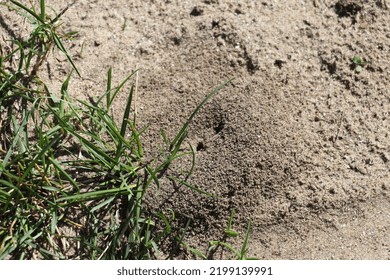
(298, 143)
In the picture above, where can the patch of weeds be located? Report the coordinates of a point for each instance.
(72, 179)
(358, 63)
(240, 254)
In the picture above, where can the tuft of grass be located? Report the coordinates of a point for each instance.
(240, 254)
(72, 178)
(44, 36)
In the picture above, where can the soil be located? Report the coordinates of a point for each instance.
(298, 143)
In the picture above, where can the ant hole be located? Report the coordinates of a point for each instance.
(200, 146)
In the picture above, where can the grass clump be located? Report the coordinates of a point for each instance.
(224, 245)
(72, 178)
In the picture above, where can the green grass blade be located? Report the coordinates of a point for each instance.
(164, 137)
(186, 124)
(115, 92)
(10, 186)
(108, 90)
(245, 244)
(213, 244)
(196, 252)
(37, 157)
(4, 195)
(15, 141)
(153, 177)
(102, 204)
(59, 168)
(53, 21)
(64, 94)
(43, 12)
(136, 136)
(229, 232)
(97, 194)
(31, 12)
(188, 185)
(61, 47)
(92, 149)
(192, 163)
(126, 114)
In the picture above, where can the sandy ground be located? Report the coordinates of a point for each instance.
(298, 143)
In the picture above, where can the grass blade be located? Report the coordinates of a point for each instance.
(116, 91)
(126, 114)
(61, 47)
(229, 231)
(15, 141)
(59, 168)
(245, 244)
(31, 12)
(109, 80)
(97, 194)
(196, 189)
(43, 12)
(37, 157)
(186, 124)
